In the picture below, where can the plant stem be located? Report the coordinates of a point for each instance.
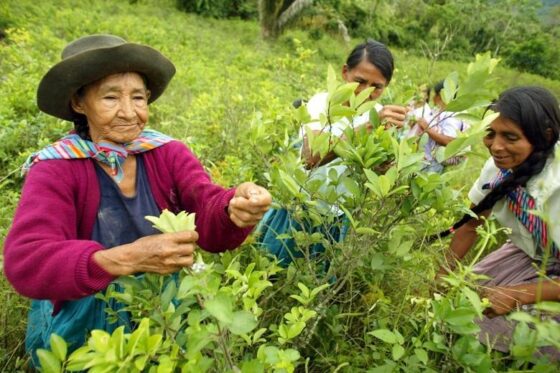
(10, 174)
(222, 342)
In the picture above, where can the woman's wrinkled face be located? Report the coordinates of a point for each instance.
(507, 143)
(366, 75)
(116, 107)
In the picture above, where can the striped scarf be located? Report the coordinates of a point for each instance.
(73, 146)
(520, 202)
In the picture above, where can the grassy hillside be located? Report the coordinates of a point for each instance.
(229, 86)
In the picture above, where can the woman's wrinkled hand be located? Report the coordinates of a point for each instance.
(249, 204)
(160, 253)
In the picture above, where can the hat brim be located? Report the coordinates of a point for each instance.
(66, 77)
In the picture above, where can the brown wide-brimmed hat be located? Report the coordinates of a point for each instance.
(93, 57)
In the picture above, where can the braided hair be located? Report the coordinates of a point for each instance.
(535, 110)
(81, 126)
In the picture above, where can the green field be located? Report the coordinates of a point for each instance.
(230, 101)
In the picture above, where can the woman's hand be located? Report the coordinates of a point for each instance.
(393, 114)
(160, 253)
(249, 204)
(502, 299)
(422, 123)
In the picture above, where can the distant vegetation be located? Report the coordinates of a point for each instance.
(526, 34)
(230, 101)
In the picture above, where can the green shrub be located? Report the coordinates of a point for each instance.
(244, 9)
(538, 54)
(230, 101)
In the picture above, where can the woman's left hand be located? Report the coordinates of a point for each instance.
(249, 204)
(502, 299)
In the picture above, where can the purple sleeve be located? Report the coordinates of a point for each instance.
(209, 201)
(43, 256)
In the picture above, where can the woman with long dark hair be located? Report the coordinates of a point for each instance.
(520, 186)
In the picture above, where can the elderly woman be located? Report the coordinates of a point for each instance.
(80, 221)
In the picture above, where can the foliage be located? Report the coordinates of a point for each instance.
(523, 32)
(535, 55)
(224, 318)
(511, 29)
(230, 102)
(243, 9)
(184, 320)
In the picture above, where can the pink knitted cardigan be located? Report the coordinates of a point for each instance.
(48, 251)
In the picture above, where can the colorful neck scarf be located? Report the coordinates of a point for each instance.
(73, 146)
(520, 202)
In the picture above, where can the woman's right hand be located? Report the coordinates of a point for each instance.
(160, 253)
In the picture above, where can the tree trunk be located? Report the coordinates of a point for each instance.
(292, 11)
(268, 14)
(275, 14)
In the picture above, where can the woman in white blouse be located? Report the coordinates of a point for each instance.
(522, 176)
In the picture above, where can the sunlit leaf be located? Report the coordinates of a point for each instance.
(243, 322)
(331, 80)
(49, 362)
(342, 94)
(58, 347)
(385, 335)
(221, 307)
(397, 351)
(422, 355)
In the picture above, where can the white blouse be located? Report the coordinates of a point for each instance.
(544, 188)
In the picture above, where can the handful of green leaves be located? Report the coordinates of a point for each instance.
(168, 222)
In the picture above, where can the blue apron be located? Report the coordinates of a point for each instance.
(279, 222)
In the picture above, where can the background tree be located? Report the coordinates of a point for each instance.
(275, 14)
(437, 29)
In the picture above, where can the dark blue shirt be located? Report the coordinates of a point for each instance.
(120, 219)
